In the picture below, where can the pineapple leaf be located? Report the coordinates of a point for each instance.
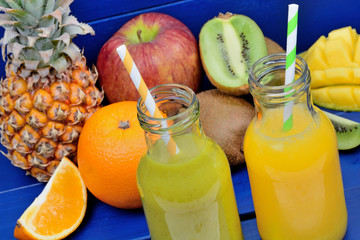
(74, 30)
(46, 31)
(29, 54)
(43, 44)
(5, 19)
(3, 49)
(13, 4)
(35, 7)
(72, 21)
(44, 71)
(73, 52)
(49, 7)
(65, 37)
(56, 14)
(23, 16)
(63, 3)
(46, 55)
(32, 40)
(46, 21)
(16, 48)
(60, 64)
(9, 34)
(4, 4)
(31, 64)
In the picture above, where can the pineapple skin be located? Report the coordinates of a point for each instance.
(48, 92)
(41, 125)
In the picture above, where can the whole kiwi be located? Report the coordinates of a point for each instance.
(273, 47)
(225, 119)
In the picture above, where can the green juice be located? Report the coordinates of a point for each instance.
(188, 195)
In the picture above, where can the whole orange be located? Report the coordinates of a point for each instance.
(110, 146)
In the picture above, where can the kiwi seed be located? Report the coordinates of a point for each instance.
(347, 131)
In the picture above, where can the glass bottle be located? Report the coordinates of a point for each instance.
(295, 174)
(188, 194)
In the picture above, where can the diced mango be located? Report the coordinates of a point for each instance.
(357, 51)
(356, 75)
(316, 60)
(337, 97)
(321, 97)
(320, 43)
(345, 33)
(357, 94)
(338, 53)
(339, 76)
(343, 96)
(318, 79)
(355, 35)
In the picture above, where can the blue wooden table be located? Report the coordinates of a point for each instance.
(102, 221)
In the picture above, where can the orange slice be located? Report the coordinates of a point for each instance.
(59, 209)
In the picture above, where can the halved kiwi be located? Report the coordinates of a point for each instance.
(347, 131)
(229, 45)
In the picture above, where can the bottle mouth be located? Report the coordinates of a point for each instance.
(177, 103)
(267, 78)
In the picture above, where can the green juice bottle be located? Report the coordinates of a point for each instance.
(187, 194)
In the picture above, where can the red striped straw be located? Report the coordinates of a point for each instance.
(145, 94)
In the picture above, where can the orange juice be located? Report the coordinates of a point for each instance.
(295, 176)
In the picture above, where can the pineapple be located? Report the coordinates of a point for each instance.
(48, 92)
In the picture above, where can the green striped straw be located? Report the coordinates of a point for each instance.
(290, 61)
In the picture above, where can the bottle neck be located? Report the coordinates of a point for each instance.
(180, 109)
(267, 83)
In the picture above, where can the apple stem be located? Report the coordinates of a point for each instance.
(139, 35)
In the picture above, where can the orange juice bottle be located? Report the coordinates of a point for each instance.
(295, 174)
(187, 194)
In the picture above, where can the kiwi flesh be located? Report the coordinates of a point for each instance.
(347, 131)
(229, 45)
(225, 119)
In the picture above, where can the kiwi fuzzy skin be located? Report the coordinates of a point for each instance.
(225, 119)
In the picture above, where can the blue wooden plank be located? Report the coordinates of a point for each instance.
(105, 222)
(86, 10)
(12, 177)
(13, 203)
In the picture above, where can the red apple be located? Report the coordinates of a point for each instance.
(163, 49)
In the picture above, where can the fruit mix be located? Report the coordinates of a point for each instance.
(49, 93)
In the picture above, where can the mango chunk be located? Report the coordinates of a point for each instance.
(335, 76)
(321, 97)
(320, 43)
(338, 76)
(357, 95)
(338, 53)
(345, 33)
(357, 51)
(355, 35)
(318, 79)
(316, 60)
(337, 97)
(356, 74)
